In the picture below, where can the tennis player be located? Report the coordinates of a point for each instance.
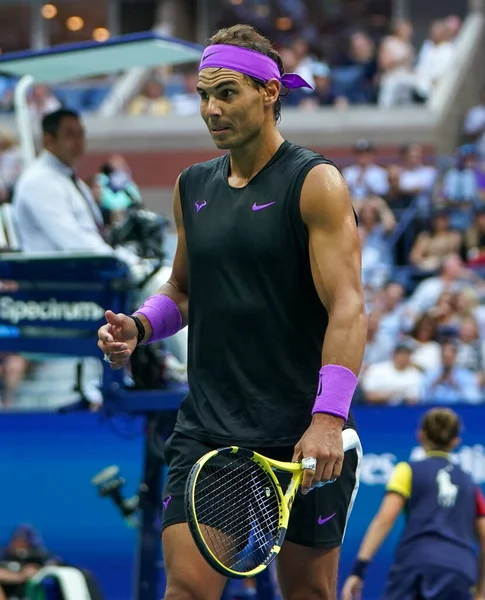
(267, 276)
(436, 557)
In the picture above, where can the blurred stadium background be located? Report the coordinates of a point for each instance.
(399, 105)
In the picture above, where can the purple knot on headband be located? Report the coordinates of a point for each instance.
(249, 62)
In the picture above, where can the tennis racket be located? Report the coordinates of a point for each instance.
(237, 510)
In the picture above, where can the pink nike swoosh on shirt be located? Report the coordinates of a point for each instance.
(261, 206)
(323, 521)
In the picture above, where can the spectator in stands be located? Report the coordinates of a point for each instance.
(395, 59)
(437, 60)
(11, 164)
(374, 225)
(452, 24)
(151, 101)
(304, 62)
(355, 73)
(453, 276)
(426, 349)
(474, 126)
(188, 102)
(397, 199)
(379, 345)
(450, 383)
(461, 188)
(473, 245)
(322, 94)
(416, 177)
(445, 314)
(433, 245)
(394, 318)
(365, 178)
(395, 381)
(469, 347)
(42, 102)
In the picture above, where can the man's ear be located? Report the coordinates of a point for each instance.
(272, 90)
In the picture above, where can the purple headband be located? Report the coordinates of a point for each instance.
(249, 62)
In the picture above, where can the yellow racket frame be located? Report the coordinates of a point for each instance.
(285, 502)
(285, 499)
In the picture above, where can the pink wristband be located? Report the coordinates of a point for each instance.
(163, 315)
(335, 391)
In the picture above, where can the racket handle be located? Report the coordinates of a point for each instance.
(350, 441)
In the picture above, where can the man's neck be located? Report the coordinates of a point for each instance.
(248, 160)
(60, 160)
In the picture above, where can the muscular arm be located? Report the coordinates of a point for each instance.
(176, 288)
(336, 265)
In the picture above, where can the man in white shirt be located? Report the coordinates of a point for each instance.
(365, 178)
(54, 210)
(415, 177)
(394, 381)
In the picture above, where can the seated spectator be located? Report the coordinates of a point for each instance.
(469, 346)
(393, 382)
(432, 246)
(397, 199)
(376, 259)
(379, 346)
(393, 310)
(416, 177)
(450, 383)
(445, 314)
(467, 304)
(473, 244)
(474, 127)
(365, 178)
(322, 94)
(452, 277)
(435, 63)
(187, 103)
(461, 188)
(426, 349)
(356, 71)
(304, 62)
(150, 102)
(395, 59)
(427, 73)
(453, 25)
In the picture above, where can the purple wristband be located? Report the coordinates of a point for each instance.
(335, 391)
(163, 315)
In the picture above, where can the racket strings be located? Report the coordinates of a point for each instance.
(238, 511)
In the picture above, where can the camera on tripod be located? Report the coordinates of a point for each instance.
(110, 483)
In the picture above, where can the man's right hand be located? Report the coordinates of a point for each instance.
(118, 338)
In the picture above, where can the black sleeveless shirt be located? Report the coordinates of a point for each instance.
(256, 323)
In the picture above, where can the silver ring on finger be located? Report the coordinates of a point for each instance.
(107, 359)
(309, 463)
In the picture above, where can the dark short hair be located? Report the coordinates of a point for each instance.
(247, 36)
(52, 121)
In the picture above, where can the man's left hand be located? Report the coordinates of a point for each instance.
(323, 441)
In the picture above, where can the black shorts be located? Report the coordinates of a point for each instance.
(317, 520)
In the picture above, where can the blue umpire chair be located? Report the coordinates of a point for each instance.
(54, 305)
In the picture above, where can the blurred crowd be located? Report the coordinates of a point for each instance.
(422, 227)
(349, 58)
